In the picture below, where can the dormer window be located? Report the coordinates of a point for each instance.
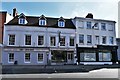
(22, 19)
(42, 20)
(61, 22)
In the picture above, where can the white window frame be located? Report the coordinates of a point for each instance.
(105, 40)
(89, 23)
(73, 41)
(9, 39)
(102, 26)
(111, 38)
(30, 39)
(9, 58)
(97, 38)
(42, 59)
(21, 21)
(42, 22)
(111, 27)
(43, 40)
(61, 23)
(89, 36)
(55, 40)
(64, 41)
(25, 58)
(83, 38)
(80, 24)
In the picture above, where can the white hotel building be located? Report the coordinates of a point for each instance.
(31, 40)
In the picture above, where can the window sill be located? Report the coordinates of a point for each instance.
(40, 62)
(11, 62)
(81, 43)
(26, 62)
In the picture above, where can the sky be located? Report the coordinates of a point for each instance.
(107, 10)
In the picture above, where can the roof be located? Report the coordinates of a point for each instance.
(95, 19)
(33, 21)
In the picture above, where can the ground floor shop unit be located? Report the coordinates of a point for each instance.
(102, 54)
(37, 56)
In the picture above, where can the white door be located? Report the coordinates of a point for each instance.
(70, 57)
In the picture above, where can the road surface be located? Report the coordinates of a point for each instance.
(102, 73)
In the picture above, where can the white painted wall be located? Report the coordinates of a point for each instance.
(21, 31)
(94, 32)
(8, 18)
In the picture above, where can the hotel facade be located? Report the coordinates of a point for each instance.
(31, 40)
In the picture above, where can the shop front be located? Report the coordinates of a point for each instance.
(62, 57)
(99, 55)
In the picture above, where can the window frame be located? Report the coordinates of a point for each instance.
(42, 22)
(111, 38)
(26, 43)
(103, 26)
(61, 23)
(9, 58)
(82, 40)
(73, 40)
(53, 42)
(103, 40)
(13, 43)
(28, 61)
(103, 54)
(89, 39)
(21, 20)
(61, 40)
(89, 25)
(97, 38)
(40, 40)
(38, 58)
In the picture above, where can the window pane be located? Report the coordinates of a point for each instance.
(111, 40)
(27, 57)
(62, 41)
(103, 26)
(22, 21)
(104, 39)
(40, 57)
(42, 22)
(61, 23)
(52, 41)
(81, 38)
(28, 40)
(89, 39)
(97, 39)
(11, 39)
(40, 40)
(71, 41)
(88, 25)
(87, 56)
(104, 56)
(11, 57)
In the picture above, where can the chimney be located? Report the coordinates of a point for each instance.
(90, 15)
(14, 12)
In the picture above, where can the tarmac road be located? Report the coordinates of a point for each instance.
(102, 73)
